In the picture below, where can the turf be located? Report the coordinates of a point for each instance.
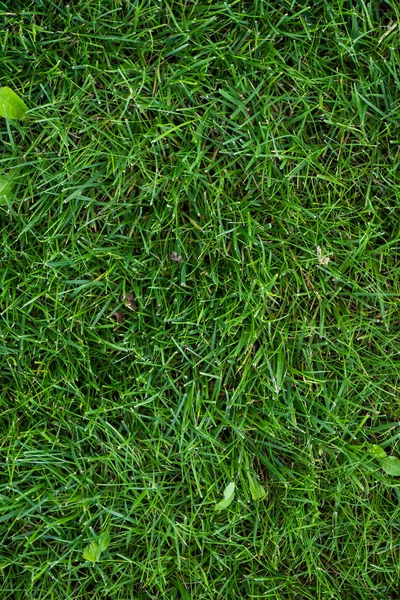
(259, 141)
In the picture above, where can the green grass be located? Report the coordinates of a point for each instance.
(243, 136)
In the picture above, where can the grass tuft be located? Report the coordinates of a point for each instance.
(199, 284)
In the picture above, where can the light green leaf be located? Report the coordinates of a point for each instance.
(5, 190)
(377, 451)
(92, 552)
(11, 105)
(256, 489)
(229, 495)
(391, 465)
(104, 541)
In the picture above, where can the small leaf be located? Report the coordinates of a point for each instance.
(377, 451)
(11, 105)
(92, 552)
(229, 495)
(256, 489)
(104, 541)
(5, 190)
(391, 465)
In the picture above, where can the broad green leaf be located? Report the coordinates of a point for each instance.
(11, 105)
(229, 495)
(104, 541)
(256, 489)
(92, 552)
(377, 451)
(5, 190)
(391, 465)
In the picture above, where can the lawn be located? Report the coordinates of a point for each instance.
(199, 289)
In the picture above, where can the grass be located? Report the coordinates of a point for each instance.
(243, 136)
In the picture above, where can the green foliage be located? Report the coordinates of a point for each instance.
(377, 451)
(11, 105)
(6, 190)
(93, 551)
(391, 465)
(229, 494)
(104, 541)
(257, 491)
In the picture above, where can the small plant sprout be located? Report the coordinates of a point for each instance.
(390, 464)
(93, 551)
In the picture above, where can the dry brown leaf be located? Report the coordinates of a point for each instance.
(129, 301)
(174, 256)
(118, 316)
(323, 260)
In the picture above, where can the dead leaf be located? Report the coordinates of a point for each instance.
(323, 260)
(174, 256)
(129, 301)
(119, 316)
